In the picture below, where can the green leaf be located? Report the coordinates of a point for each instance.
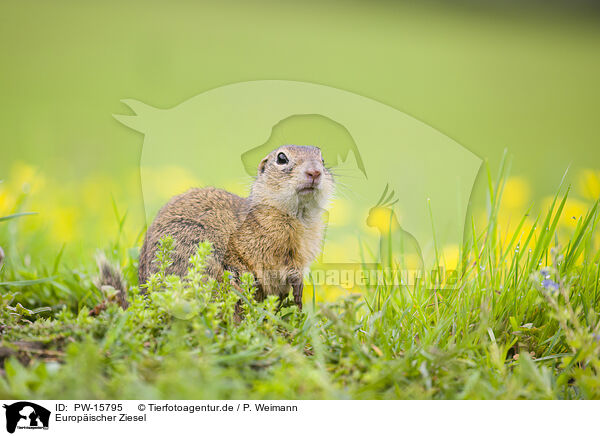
(16, 215)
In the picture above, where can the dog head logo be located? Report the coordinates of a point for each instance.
(26, 415)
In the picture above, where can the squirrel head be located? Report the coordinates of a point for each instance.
(294, 178)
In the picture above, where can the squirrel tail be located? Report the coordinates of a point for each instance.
(111, 276)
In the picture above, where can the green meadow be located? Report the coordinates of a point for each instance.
(519, 320)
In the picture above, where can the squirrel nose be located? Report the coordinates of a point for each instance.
(313, 175)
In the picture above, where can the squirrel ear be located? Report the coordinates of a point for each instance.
(261, 165)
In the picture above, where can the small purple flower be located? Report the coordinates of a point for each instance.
(550, 285)
(546, 272)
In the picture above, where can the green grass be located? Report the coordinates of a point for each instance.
(522, 322)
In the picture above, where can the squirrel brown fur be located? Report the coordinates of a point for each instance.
(274, 234)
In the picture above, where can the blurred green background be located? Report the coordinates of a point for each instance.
(491, 77)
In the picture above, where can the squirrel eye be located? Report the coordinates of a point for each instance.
(282, 159)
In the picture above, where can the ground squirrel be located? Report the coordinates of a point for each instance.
(274, 234)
